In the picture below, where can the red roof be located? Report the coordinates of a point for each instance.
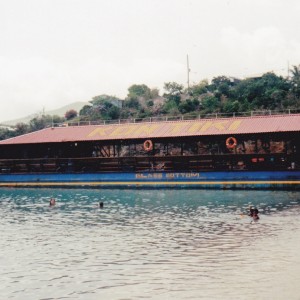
(200, 127)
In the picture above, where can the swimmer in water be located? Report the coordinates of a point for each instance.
(254, 213)
(101, 204)
(52, 202)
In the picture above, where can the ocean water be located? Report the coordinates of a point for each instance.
(149, 244)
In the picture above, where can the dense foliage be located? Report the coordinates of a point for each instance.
(222, 95)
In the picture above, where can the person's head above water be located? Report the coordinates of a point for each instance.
(253, 211)
(101, 204)
(52, 202)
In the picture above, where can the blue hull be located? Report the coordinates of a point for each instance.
(220, 180)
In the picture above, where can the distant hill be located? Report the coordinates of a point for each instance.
(58, 112)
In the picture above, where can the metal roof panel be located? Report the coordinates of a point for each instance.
(199, 127)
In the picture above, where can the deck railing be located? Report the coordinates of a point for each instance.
(165, 118)
(221, 162)
(192, 116)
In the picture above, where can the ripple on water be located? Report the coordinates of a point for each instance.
(171, 244)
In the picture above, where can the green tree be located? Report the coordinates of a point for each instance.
(6, 133)
(154, 93)
(85, 110)
(170, 107)
(44, 121)
(98, 100)
(102, 107)
(265, 92)
(105, 110)
(295, 80)
(132, 103)
(21, 128)
(113, 112)
(200, 88)
(139, 90)
(188, 106)
(173, 88)
(150, 103)
(174, 91)
(210, 104)
(232, 106)
(222, 85)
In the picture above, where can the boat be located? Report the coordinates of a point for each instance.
(252, 152)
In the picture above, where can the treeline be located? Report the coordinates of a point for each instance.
(222, 95)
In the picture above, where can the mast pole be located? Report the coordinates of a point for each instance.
(188, 73)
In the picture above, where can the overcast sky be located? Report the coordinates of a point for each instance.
(55, 52)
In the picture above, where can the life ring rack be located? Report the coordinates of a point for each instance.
(231, 142)
(148, 145)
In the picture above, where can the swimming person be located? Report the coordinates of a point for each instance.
(254, 213)
(101, 204)
(52, 202)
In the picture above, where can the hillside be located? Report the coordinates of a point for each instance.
(59, 112)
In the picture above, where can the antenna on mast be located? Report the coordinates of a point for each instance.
(188, 72)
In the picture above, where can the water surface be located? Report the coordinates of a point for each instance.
(149, 244)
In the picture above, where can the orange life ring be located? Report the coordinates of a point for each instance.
(231, 143)
(148, 145)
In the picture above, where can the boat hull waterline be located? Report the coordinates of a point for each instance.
(289, 180)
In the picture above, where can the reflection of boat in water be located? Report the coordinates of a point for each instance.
(244, 152)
